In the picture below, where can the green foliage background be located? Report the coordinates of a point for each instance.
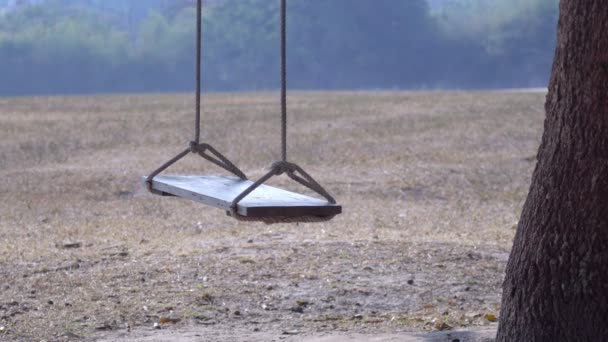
(89, 46)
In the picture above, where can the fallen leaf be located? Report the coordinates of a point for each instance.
(491, 317)
(442, 326)
(165, 320)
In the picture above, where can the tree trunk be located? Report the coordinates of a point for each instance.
(556, 286)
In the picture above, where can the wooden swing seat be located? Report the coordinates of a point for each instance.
(243, 199)
(264, 202)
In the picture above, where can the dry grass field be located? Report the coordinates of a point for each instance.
(432, 185)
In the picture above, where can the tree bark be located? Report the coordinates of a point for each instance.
(556, 286)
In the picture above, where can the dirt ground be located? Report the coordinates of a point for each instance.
(198, 333)
(432, 185)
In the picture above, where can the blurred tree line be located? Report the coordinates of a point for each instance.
(86, 46)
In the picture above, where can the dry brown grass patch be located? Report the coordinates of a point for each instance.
(431, 183)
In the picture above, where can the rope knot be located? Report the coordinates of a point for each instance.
(281, 167)
(198, 148)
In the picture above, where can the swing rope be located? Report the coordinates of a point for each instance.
(204, 150)
(293, 171)
(199, 43)
(283, 81)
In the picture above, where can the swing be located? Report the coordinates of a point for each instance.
(242, 198)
